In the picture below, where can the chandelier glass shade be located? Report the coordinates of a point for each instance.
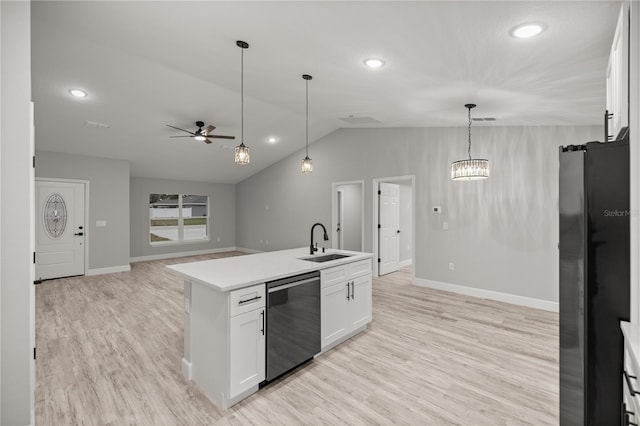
(307, 165)
(242, 154)
(471, 168)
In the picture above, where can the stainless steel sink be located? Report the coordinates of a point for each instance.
(326, 257)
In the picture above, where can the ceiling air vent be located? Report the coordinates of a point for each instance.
(96, 125)
(352, 119)
(484, 119)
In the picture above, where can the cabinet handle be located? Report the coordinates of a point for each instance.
(240, 302)
(348, 295)
(628, 378)
(262, 313)
(353, 295)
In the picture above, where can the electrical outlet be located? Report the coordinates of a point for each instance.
(445, 226)
(266, 242)
(218, 239)
(452, 266)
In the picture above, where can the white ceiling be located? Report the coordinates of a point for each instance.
(147, 64)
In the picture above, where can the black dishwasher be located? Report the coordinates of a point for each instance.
(293, 322)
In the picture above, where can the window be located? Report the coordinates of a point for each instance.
(178, 218)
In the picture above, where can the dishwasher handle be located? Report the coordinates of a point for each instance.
(293, 284)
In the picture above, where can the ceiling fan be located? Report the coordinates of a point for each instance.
(200, 134)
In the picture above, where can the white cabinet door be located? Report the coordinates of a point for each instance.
(334, 313)
(360, 303)
(247, 351)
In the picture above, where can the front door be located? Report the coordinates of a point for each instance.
(389, 228)
(60, 229)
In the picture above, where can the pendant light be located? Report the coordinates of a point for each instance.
(307, 163)
(471, 168)
(242, 151)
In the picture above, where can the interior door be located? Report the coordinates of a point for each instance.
(60, 229)
(388, 228)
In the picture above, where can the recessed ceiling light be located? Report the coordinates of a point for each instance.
(528, 30)
(374, 62)
(272, 139)
(200, 138)
(78, 93)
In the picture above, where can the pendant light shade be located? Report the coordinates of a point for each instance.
(471, 168)
(243, 156)
(307, 163)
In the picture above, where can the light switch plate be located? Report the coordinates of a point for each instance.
(437, 209)
(101, 223)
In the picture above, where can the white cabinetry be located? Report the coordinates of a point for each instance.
(631, 374)
(618, 75)
(345, 301)
(246, 350)
(225, 341)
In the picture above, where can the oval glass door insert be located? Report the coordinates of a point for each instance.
(55, 216)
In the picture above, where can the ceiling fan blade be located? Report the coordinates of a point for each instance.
(178, 128)
(207, 141)
(209, 129)
(221, 137)
(181, 136)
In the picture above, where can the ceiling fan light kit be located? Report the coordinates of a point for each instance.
(307, 163)
(243, 155)
(471, 168)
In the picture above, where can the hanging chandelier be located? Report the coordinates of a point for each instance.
(471, 168)
(242, 151)
(307, 163)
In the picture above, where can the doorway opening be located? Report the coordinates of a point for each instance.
(347, 215)
(393, 223)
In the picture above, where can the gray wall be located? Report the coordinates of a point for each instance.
(352, 214)
(503, 232)
(405, 220)
(108, 200)
(222, 223)
(16, 197)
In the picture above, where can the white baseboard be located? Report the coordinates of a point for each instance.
(247, 250)
(180, 254)
(186, 369)
(491, 295)
(109, 270)
(406, 263)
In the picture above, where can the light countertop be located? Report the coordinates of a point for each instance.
(231, 273)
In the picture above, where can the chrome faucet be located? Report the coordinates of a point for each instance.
(313, 249)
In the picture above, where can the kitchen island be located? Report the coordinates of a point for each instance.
(225, 311)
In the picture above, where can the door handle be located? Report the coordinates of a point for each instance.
(262, 313)
(353, 295)
(79, 234)
(398, 231)
(348, 297)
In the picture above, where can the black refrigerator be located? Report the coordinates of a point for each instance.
(594, 279)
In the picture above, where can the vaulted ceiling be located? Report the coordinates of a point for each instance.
(147, 64)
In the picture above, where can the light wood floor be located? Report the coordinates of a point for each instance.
(109, 351)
